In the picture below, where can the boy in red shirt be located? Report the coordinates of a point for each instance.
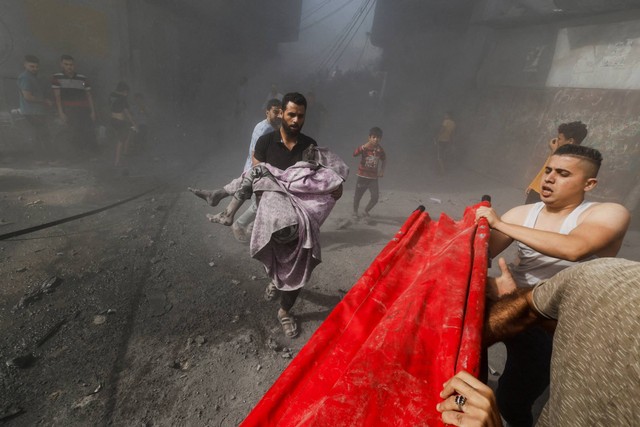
(371, 167)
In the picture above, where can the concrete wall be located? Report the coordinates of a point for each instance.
(533, 79)
(514, 73)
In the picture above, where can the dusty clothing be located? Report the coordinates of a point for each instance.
(370, 160)
(30, 83)
(362, 185)
(298, 198)
(526, 372)
(270, 149)
(532, 266)
(262, 128)
(118, 102)
(75, 104)
(446, 131)
(121, 129)
(595, 367)
(73, 90)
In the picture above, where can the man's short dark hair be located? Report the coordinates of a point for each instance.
(375, 131)
(66, 57)
(296, 98)
(589, 154)
(32, 59)
(273, 102)
(576, 130)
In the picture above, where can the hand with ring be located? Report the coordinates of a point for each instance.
(468, 402)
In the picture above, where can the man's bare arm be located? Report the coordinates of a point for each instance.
(498, 242)
(600, 233)
(509, 316)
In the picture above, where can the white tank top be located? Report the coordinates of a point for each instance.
(531, 266)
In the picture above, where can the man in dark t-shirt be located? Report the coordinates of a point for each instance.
(74, 104)
(282, 149)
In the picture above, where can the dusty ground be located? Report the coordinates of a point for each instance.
(157, 316)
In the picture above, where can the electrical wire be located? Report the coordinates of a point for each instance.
(342, 42)
(309, 14)
(335, 47)
(354, 33)
(327, 16)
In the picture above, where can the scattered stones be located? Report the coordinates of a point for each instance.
(273, 344)
(212, 264)
(200, 340)
(84, 401)
(35, 202)
(258, 368)
(181, 365)
(45, 287)
(286, 353)
(99, 319)
(21, 269)
(235, 282)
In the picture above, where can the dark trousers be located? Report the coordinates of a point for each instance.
(362, 185)
(525, 377)
(83, 133)
(288, 298)
(39, 124)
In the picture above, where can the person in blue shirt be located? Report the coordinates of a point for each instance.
(33, 103)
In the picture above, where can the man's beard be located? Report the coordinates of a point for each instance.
(289, 130)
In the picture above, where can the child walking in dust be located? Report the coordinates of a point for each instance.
(371, 167)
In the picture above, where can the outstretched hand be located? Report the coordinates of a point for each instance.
(479, 408)
(501, 285)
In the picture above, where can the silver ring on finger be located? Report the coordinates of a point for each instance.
(460, 400)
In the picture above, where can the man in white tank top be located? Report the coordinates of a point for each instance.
(551, 235)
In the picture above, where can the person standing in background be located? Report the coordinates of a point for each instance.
(34, 104)
(74, 104)
(121, 120)
(444, 141)
(372, 163)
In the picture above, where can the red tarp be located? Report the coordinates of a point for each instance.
(412, 321)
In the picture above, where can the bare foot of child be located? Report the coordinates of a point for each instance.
(222, 218)
(211, 197)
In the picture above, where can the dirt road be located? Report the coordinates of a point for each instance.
(157, 316)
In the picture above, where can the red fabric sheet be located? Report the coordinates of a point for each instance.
(411, 321)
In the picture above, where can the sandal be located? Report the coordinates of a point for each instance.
(289, 325)
(270, 292)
